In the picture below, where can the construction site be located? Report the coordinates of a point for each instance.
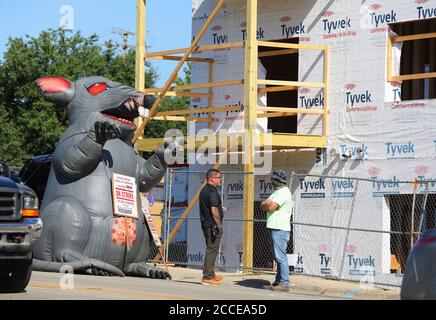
(338, 94)
(330, 101)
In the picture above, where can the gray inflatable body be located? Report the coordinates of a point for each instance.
(80, 229)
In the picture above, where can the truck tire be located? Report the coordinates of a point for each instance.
(18, 277)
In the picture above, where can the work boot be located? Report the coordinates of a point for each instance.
(269, 285)
(279, 287)
(210, 281)
(218, 278)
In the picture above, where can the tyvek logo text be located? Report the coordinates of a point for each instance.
(354, 101)
(397, 94)
(359, 265)
(331, 26)
(335, 28)
(325, 263)
(289, 31)
(239, 104)
(425, 13)
(265, 189)
(354, 150)
(383, 19)
(385, 186)
(312, 189)
(260, 34)
(235, 190)
(217, 37)
(298, 268)
(400, 151)
(343, 188)
(312, 102)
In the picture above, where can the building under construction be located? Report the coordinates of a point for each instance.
(329, 88)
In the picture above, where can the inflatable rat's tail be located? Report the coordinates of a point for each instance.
(47, 266)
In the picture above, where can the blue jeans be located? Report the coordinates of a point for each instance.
(279, 241)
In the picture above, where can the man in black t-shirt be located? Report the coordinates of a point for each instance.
(211, 216)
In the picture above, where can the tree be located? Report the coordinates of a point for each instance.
(29, 125)
(157, 129)
(10, 141)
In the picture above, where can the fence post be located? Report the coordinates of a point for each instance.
(168, 218)
(165, 214)
(348, 231)
(412, 218)
(423, 217)
(222, 203)
(294, 204)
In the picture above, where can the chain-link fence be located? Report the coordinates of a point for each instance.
(344, 228)
(358, 229)
(157, 207)
(182, 236)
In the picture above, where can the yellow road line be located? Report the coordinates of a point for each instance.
(46, 285)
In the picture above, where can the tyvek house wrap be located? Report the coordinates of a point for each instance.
(366, 111)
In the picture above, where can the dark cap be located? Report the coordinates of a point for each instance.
(279, 175)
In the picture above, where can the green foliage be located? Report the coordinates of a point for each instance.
(29, 125)
(157, 129)
(10, 139)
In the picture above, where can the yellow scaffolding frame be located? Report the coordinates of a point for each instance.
(275, 86)
(412, 76)
(251, 89)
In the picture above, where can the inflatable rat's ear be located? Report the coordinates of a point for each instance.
(56, 89)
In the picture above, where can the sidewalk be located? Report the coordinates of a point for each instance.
(301, 284)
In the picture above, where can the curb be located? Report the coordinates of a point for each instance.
(303, 285)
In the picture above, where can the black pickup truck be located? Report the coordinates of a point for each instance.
(20, 229)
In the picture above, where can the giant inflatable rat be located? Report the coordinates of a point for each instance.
(80, 229)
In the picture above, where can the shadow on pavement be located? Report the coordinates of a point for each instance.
(253, 283)
(188, 281)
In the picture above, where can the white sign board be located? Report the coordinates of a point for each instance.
(124, 196)
(145, 205)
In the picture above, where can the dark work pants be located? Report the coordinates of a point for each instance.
(212, 249)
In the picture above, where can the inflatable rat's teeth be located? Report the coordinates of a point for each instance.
(143, 112)
(132, 105)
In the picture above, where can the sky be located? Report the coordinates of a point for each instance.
(166, 29)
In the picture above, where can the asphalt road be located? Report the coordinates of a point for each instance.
(46, 286)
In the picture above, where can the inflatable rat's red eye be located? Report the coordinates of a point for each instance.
(97, 88)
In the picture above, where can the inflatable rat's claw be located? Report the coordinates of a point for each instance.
(99, 272)
(161, 274)
(142, 269)
(151, 274)
(165, 275)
